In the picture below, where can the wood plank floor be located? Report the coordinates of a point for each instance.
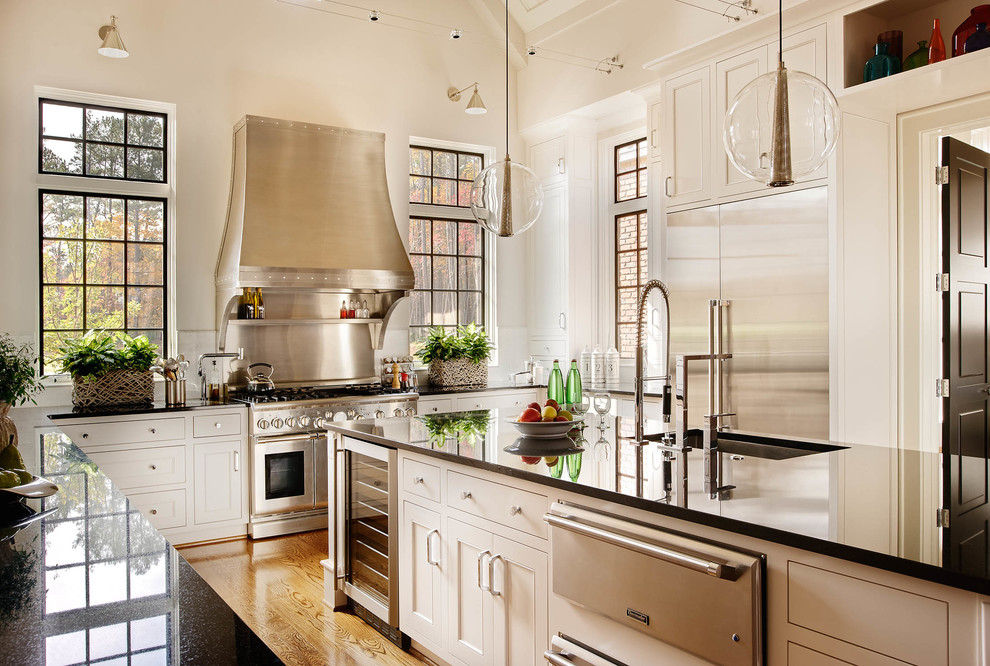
(276, 586)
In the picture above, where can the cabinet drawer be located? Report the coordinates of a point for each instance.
(209, 425)
(163, 509)
(421, 479)
(89, 435)
(512, 403)
(518, 509)
(556, 348)
(143, 467)
(435, 405)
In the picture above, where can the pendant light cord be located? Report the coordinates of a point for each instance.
(780, 33)
(507, 77)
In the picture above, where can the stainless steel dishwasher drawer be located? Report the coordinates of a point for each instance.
(700, 597)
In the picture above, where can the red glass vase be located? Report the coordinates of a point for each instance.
(936, 46)
(978, 14)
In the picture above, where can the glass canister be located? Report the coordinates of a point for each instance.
(977, 15)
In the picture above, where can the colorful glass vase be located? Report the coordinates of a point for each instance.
(978, 40)
(896, 40)
(882, 64)
(917, 59)
(936, 45)
(977, 15)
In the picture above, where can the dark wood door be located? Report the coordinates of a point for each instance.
(965, 335)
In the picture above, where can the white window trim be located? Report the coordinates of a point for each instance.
(112, 186)
(457, 213)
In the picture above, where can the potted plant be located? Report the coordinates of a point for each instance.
(457, 358)
(109, 369)
(18, 383)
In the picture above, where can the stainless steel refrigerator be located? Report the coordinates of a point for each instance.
(764, 262)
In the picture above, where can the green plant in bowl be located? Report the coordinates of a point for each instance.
(18, 380)
(98, 353)
(465, 427)
(470, 342)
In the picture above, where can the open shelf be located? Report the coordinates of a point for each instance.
(288, 322)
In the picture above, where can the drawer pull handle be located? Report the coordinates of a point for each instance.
(557, 659)
(237, 461)
(153, 431)
(666, 185)
(217, 425)
(491, 576)
(85, 435)
(481, 585)
(154, 467)
(154, 512)
(417, 479)
(515, 510)
(465, 494)
(429, 548)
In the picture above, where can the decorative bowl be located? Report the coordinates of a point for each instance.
(544, 429)
(36, 488)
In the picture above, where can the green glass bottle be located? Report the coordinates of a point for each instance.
(555, 385)
(572, 393)
(557, 469)
(574, 466)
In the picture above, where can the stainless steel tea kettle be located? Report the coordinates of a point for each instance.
(260, 382)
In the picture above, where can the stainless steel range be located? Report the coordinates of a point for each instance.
(289, 480)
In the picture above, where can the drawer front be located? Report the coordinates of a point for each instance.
(554, 348)
(434, 405)
(512, 402)
(218, 425)
(421, 479)
(142, 468)
(88, 435)
(163, 509)
(518, 509)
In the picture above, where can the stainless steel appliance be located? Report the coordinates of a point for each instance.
(289, 450)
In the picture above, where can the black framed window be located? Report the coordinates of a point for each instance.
(102, 142)
(442, 177)
(103, 266)
(631, 273)
(630, 170)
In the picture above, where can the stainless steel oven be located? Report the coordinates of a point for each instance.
(289, 480)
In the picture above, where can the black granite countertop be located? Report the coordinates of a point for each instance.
(830, 498)
(84, 578)
(157, 407)
(427, 390)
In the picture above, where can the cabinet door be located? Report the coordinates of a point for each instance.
(547, 159)
(804, 52)
(469, 606)
(548, 262)
(687, 137)
(519, 590)
(731, 76)
(217, 472)
(421, 566)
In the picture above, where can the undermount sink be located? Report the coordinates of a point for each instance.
(771, 448)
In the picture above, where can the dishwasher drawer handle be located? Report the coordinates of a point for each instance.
(557, 659)
(698, 564)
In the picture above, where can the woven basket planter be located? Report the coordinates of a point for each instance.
(120, 387)
(458, 372)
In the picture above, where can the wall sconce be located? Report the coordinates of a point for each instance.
(113, 45)
(475, 105)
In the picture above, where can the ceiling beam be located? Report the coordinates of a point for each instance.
(492, 13)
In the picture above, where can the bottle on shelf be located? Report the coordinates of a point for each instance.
(936, 46)
(978, 40)
(365, 312)
(259, 305)
(343, 309)
(351, 309)
(555, 385)
(572, 391)
(242, 303)
(249, 311)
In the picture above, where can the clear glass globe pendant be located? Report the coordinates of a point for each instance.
(506, 198)
(781, 127)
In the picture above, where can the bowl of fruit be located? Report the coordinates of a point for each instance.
(550, 421)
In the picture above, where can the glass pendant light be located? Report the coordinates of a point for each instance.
(506, 197)
(782, 126)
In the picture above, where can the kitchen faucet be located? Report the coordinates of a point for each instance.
(641, 356)
(239, 355)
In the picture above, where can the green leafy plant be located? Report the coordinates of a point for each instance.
(470, 342)
(463, 426)
(98, 353)
(18, 381)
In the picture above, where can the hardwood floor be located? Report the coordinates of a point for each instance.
(276, 586)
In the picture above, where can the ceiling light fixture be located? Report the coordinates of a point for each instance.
(782, 126)
(475, 105)
(506, 197)
(374, 15)
(455, 34)
(113, 45)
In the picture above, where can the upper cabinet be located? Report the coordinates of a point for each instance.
(731, 76)
(686, 137)
(547, 160)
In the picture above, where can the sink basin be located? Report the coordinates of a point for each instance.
(771, 448)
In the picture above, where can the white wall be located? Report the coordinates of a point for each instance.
(217, 61)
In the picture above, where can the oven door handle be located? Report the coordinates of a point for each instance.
(339, 565)
(268, 439)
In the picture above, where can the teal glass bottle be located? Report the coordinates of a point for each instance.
(555, 385)
(882, 64)
(572, 392)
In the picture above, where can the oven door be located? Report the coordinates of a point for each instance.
(283, 474)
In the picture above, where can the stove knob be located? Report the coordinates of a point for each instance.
(290, 422)
(318, 423)
(410, 411)
(379, 414)
(277, 422)
(358, 417)
(397, 412)
(263, 424)
(351, 413)
(303, 421)
(328, 415)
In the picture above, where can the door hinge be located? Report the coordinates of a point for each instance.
(941, 175)
(941, 388)
(942, 517)
(942, 282)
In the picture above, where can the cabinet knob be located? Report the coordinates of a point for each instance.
(85, 435)
(466, 494)
(417, 479)
(154, 512)
(153, 431)
(515, 510)
(217, 425)
(154, 467)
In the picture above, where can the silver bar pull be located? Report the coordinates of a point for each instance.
(698, 564)
(481, 585)
(557, 659)
(429, 548)
(491, 575)
(666, 185)
(237, 461)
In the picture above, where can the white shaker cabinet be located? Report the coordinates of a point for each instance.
(519, 593)
(469, 601)
(548, 262)
(731, 76)
(217, 470)
(422, 566)
(686, 138)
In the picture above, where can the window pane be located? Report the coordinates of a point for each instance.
(444, 237)
(49, 352)
(61, 215)
(419, 189)
(443, 273)
(104, 218)
(643, 180)
(627, 304)
(62, 262)
(417, 335)
(469, 239)
(470, 308)
(155, 337)
(469, 166)
(145, 130)
(419, 235)
(145, 220)
(104, 307)
(626, 232)
(419, 309)
(104, 263)
(626, 186)
(423, 270)
(627, 273)
(61, 156)
(444, 192)
(104, 125)
(644, 273)
(145, 307)
(61, 120)
(445, 308)
(62, 307)
(103, 160)
(145, 264)
(627, 340)
(625, 158)
(146, 164)
(469, 273)
(643, 231)
(464, 193)
(642, 153)
(419, 161)
(444, 164)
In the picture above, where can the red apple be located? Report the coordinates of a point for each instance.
(530, 460)
(561, 418)
(530, 415)
(535, 405)
(547, 419)
(552, 403)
